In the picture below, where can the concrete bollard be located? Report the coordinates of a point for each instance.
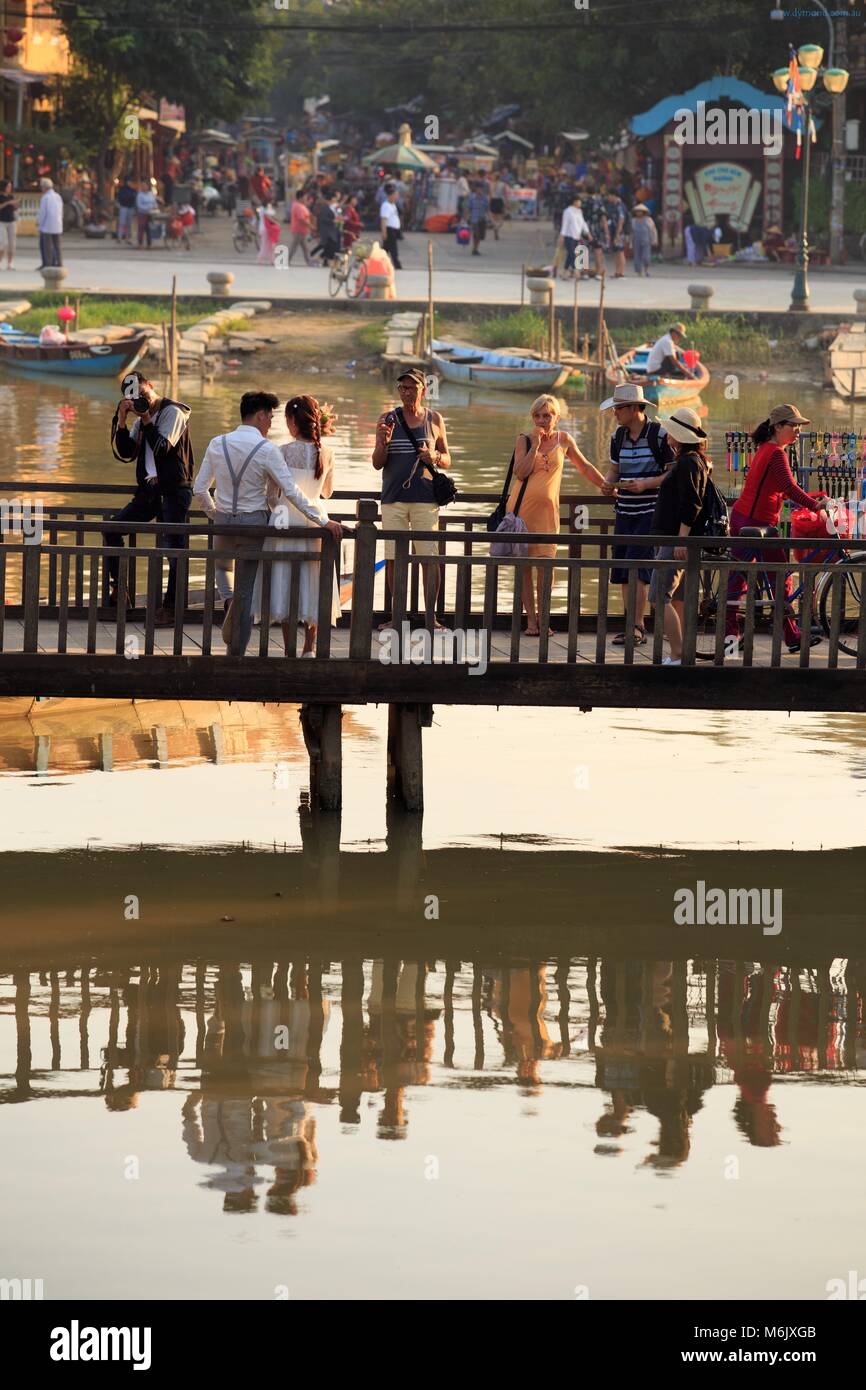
(700, 296)
(540, 290)
(219, 281)
(53, 276)
(860, 301)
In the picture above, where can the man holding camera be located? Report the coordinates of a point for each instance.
(154, 431)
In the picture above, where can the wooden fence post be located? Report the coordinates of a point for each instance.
(363, 580)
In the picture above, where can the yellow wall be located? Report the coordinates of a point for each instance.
(44, 48)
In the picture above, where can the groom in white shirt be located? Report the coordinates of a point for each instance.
(239, 463)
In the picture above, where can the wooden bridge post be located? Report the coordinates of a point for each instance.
(321, 726)
(363, 580)
(406, 754)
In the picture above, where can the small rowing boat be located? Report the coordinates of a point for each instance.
(847, 362)
(25, 352)
(631, 366)
(499, 370)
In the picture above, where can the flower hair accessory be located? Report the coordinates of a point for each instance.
(328, 417)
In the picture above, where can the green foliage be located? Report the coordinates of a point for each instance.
(524, 328)
(97, 313)
(722, 340)
(371, 337)
(819, 208)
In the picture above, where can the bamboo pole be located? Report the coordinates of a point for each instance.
(430, 291)
(574, 314)
(522, 284)
(600, 340)
(165, 348)
(173, 366)
(551, 321)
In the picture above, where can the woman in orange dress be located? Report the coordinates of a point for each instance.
(540, 457)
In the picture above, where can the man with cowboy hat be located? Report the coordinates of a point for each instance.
(639, 457)
(664, 360)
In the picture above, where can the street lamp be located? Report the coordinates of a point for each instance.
(835, 80)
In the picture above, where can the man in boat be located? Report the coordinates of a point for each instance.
(154, 432)
(639, 458)
(664, 358)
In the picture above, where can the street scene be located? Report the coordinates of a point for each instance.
(433, 619)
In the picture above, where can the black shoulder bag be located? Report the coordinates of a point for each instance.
(444, 488)
(494, 521)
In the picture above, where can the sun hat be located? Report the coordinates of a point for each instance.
(413, 374)
(678, 328)
(640, 207)
(787, 415)
(684, 426)
(628, 393)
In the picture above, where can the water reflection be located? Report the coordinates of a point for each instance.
(248, 1054)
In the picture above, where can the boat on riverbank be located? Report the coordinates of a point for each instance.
(24, 352)
(846, 360)
(661, 390)
(473, 366)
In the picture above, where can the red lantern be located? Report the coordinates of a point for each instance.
(10, 50)
(14, 35)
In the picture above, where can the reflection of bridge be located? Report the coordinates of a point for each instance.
(258, 1049)
(59, 636)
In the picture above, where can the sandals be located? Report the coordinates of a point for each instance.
(640, 638)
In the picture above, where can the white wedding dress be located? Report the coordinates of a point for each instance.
(300, 457)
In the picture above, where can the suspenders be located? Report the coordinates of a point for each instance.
(237, 478)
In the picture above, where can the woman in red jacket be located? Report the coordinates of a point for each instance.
(351, 222)
(768, 483)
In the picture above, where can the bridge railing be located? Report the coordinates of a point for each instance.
(55, 600)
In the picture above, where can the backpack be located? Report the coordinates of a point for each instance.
(713, 517)
(653, 439)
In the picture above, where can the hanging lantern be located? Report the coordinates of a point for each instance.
(836, 80)
(10, 50)
(14, 35)
(810, 55)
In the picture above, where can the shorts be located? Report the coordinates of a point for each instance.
(617, 246)
(626, 523)
(411, 516)
(497, 206)
(668, 582)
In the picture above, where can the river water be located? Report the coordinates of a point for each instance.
(248, 1052)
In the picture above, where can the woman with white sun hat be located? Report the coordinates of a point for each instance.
(679, 503)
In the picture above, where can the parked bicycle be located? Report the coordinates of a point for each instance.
(834, 588)
(349, 269)
(245, 235)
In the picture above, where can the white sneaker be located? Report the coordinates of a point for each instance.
(669, 661)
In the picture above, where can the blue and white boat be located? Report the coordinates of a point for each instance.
(500, 370)
(24, 352)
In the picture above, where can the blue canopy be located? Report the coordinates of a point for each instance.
(714, 90)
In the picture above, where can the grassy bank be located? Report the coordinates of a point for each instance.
(97, 313)
(719, 340)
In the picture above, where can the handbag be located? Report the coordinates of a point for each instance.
(509, 523)
(444, 488)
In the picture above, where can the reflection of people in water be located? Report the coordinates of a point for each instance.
(400, 1040)
(517, 998)
(744, 1044)
(154, 1039)
(643, 1058)
(251, 1109)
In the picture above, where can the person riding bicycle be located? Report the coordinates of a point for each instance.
(768, 483)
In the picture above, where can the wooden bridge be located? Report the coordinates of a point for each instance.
(60, 637)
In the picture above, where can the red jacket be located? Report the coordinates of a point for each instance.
(768, 483)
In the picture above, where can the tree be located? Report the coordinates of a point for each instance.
(213, 62)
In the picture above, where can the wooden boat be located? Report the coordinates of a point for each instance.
(631, 366)
(847, 362)
(25, 352)
(501, 371)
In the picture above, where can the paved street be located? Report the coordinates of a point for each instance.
(491, 278)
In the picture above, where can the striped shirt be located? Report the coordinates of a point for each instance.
(400, 462)
(636, 460)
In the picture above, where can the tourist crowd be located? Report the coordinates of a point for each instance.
(658, 472)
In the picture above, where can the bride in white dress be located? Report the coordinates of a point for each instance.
(312, 465)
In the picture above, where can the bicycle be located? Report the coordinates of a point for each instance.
(245, 231)
(349, 268)
(848, 589)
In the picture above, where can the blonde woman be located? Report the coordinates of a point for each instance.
(539, 459)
